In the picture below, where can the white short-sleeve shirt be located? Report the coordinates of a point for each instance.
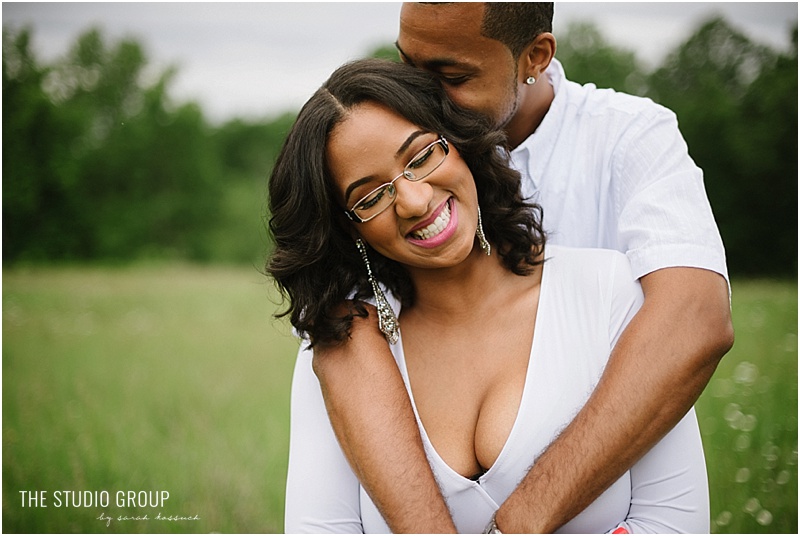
(612, 171)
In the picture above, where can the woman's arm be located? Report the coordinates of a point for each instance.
(322, 493)
(371, 412)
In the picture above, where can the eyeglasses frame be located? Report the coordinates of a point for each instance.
(405, 174)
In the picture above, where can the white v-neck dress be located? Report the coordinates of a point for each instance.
(587, 298)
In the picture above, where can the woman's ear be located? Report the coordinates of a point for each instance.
(537, 56)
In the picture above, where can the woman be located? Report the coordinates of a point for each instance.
(384, 184)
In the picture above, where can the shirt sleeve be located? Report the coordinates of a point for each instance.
(665, 218)
(669, 485)
(626, 298)
(322, 492)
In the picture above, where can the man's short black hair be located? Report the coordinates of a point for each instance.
(516, 24)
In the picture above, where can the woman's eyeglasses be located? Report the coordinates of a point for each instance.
(421, 165)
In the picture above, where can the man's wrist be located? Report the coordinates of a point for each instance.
(515, 517)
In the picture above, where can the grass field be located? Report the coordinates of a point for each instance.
(748, 415)
(176, 379)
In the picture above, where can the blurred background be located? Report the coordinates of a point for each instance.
(140, 350)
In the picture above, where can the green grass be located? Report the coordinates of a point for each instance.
(177, 378)
(748, 415)
(171, 379)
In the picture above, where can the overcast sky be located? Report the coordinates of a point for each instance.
(257, 59)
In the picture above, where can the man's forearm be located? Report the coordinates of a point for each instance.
(657, 370)
(374, 422)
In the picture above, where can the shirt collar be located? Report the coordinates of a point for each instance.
(531, 155)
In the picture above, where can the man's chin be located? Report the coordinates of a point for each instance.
(505, 120)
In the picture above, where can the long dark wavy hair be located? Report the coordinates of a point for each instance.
(315, 262)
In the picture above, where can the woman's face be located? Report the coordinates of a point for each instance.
(432, 222)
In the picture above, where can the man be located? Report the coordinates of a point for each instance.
(611, 171)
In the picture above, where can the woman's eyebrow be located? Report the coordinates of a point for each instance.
(413, 136)
(355, 185)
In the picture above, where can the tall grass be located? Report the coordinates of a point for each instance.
(169, 379)
(177, 379)
(748, 415)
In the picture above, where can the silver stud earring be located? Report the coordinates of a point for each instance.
(485, 245)
(387, 320)
(530, 80)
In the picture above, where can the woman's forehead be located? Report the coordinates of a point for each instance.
(370, 117)
(367, 128)
(368, 145)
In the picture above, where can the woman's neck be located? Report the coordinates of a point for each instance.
(471, 288)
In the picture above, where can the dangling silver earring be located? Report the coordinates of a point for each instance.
(485, 245)
(387, 320)
(530, 80)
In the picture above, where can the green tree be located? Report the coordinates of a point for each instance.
(737, 106)
(588, 57)
(766, 153)
(248, 147)
(247, 150)
(386, 52)
(38, 166)
(101, 165)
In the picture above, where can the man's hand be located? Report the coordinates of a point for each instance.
(374, 422)
(659, 367)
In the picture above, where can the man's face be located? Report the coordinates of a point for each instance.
(477, 72)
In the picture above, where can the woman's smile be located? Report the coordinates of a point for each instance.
(437, 229)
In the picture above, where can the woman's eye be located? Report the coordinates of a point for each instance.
(420, 160)
(372, 199)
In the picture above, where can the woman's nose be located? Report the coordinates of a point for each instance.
(413, 198)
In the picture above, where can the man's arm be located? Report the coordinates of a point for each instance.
(374, 422)
(657, 370)
(660, 365)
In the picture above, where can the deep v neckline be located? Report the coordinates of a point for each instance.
(399, 352)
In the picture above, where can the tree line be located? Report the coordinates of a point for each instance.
(101, 164)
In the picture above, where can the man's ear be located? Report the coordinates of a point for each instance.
(537, 56)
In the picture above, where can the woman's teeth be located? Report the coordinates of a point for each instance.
(436, 227)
